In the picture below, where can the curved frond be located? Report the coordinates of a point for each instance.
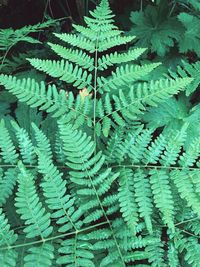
(30, 208)
(8, 151)
(76, 56)
(64, 71)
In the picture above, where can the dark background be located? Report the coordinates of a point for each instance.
(18, 13)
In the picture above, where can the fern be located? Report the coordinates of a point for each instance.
(89, 177)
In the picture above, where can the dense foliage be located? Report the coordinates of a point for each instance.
(100, 144)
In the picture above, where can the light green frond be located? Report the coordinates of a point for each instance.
(192, 153)
(114, 41)
(39, 256)
(173, 147)
(36, 94)
(143, 197)
(156, 255)
(7, 239)
(77, 41)
(138, 146)
(25, 144)
(192, 70)
(102, 18)
(173, 256)
(162, 195)
(127, 201)
(64, 71)
(156, 91)
(7, 183)
(8, 152)
(56, 197)
(155, 149)
(186, 189)
(30, 208)
(76, 252)
(43, 143)
(117, 58)
(124, 75)
(74, 55)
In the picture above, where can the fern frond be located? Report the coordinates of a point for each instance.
(7, 239)
(162, 196)
(138, 146)
(173, 256)
(7, 183)
(25, 145)
(192, 70)
(143, 197)
(76, 252)
(30, 208)
(127, 201)
(117, 58)
(186, 189)
(124, 75)
(39, 256)
(77, 41)
(8, 152)
(156, 255)
(35, 95)
(64, 71)
(192, 153)
(127, 108)
(10, 37)
(56, 197)
(114, 41)
(76, 56)
(43, 143)
(155, 149)
(173, 147)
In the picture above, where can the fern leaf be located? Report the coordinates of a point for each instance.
(43, 143)
(64, 71)
(156, 255)
(186, 190)
(25, 145)
(126, 194)
(189, 157)
(7, 239)
(114, 41)
(173, 256)
(7, 183)
(39, 256)
(30, 208)
(124, 75)
(193, 70)
(76, 252)
(8, 151)
(152, 154)
(173, 147)
(143, 197)
(35, 95)
(78, 57)
(77, 41)
(115, 58)
(57, 199)
(138, 146)
(162, 196)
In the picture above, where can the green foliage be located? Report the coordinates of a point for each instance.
(10, 38)
(153, 28)
(99, 159)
